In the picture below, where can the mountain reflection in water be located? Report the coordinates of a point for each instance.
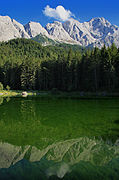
(53, 138)
(81, 158)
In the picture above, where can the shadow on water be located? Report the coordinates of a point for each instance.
(117, 107)
(4, 98)
(116, 121)
(1, 100)
(116, 130)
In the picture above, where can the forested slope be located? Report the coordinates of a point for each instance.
(25, 64)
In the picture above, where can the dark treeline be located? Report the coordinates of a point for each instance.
(25, 64)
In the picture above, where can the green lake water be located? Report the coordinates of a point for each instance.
(59, 138)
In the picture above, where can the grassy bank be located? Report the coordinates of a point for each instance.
(5, 93)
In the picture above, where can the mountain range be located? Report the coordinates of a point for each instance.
(96, 32)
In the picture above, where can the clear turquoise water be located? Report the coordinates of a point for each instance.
(59, 137)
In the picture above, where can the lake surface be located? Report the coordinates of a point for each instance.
(59, 138)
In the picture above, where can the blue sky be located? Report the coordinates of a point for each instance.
(32, 10)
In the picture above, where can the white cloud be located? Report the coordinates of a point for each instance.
(60, 13)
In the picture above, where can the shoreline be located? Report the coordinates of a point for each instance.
(74, 94)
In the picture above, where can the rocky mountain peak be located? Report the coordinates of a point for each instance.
(5, 18)
(92, 32)
(101, 20)
(20, 29)
(57, 30)
(35, 28)
(8, 29)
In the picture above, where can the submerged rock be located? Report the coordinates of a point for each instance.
(24, 94)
